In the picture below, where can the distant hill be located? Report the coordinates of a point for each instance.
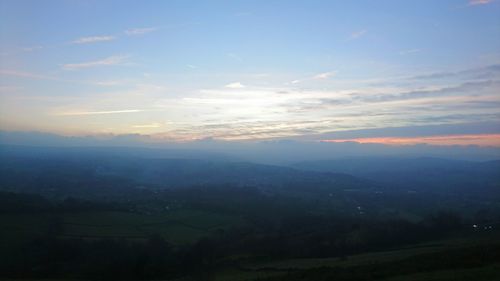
(86, 152)
(451, 177)
(81, 170)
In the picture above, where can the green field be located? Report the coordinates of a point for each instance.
(181, 227)
(257, 270)
(484, 273)
(177, 227)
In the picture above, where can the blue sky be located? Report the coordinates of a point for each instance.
(237, 70)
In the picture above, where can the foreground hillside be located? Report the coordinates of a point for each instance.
(234, 233)
(470, 256)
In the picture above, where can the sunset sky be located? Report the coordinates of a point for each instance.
(246, 70)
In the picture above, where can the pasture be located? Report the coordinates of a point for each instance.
(178, 227)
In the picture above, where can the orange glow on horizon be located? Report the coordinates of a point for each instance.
(480, 140)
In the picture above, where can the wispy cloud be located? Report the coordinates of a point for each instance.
(357, 34)
(482, 140)
(93, 39)
(146, 126)
(488, 72)
(140, 31)
(234, 56)
(410, 51)
(113, 60)
(10, 89)
(108, 83)
(479, 2)
(77, 113)
(32, 48)
(235, 85)
(319, 76)
(25, 74)
(456, 90)
(325, 75)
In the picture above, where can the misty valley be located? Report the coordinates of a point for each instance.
(98, 214)
(262, 140)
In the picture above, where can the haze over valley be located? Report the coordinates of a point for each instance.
(249, 140)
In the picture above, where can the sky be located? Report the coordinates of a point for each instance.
(391, 72)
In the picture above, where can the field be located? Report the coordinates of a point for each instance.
(260, 270)
(180, 227)
(185, 226)
(177, 227)
(485, 273)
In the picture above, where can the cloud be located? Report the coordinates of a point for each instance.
(319, 76)
(234, 57)
(235, 85)
(243, 129)
(490, 71)
(324, 75)
(481, 140)
(31, 49)
(10, 89)
(77, 113)
(93, 39)
(466, 102)
(113, 60)
(145, 126)
(358, 34)
(25, 74)
(468, 87)
(108, 83)
(140, 31)
(410, 51)
(411, 131)
(479, 2)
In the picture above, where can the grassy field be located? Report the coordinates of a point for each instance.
(186, 226)
(256, 270)
(177, 227)
(484, 273)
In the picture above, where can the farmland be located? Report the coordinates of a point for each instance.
(177, 227)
